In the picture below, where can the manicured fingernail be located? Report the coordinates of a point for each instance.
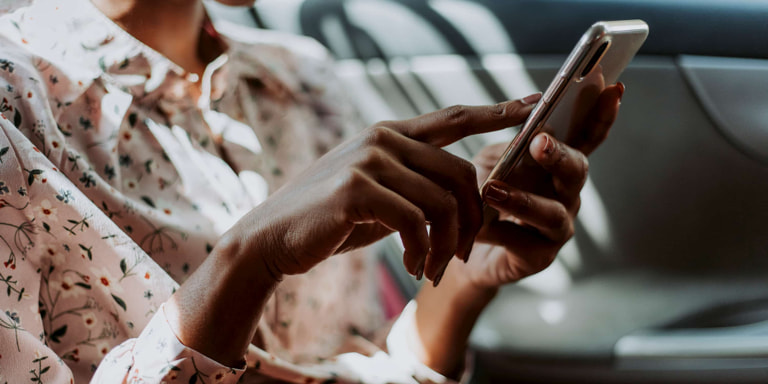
(622, 88)
(496, 194)
(420, 271)
(549, 145)
(439, 276)
(532, 99)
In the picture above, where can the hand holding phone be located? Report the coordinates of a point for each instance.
(531, 205)
(596, 61)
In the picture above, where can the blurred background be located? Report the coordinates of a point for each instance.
(666, 279)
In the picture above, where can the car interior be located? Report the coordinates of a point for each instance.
(666, 278)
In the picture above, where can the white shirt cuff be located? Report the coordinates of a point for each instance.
(403, 338)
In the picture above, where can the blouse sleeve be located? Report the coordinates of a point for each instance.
(396, 365)
(158, 356)
(73, 285)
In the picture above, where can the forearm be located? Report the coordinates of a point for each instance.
(445, 316)
(216, 311)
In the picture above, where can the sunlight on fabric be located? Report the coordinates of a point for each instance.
(477, 23)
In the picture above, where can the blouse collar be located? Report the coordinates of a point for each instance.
(78, 38)
(95, 46)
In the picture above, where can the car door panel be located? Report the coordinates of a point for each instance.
(733, 92)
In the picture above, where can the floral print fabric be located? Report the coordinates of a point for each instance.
(115, 184)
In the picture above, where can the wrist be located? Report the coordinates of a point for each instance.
(232, 284)
(466, 292)
(239, 254)
(445, 316)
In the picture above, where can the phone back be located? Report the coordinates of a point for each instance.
(596, 62)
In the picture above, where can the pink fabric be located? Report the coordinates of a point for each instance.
(392, 299)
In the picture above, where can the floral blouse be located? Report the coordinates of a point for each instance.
(115, 184)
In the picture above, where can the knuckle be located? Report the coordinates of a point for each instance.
(565, 230)
(354, 197)
(415, 217)
(561, 217)
(378, 135)
(576, 205)
(570, 231)
(372, 158)
(498, 110)
(445, 205)
(561, 224)
(352, 179)
(524, 201)
(457, 114)
(561, 153)
(386, 124)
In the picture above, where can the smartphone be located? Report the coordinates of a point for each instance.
(596, 61)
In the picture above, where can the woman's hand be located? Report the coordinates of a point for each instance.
(391, 177)
(539, 201)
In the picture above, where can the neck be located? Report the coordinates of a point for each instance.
(171, 27)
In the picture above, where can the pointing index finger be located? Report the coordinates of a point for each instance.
(451, 124)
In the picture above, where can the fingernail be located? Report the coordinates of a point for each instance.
(532, 99)
(495, 193)
(420, 271)
(549, 145)
(439, 276)
(468, 251)
(622, 88)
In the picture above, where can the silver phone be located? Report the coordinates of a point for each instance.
(596, 61)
